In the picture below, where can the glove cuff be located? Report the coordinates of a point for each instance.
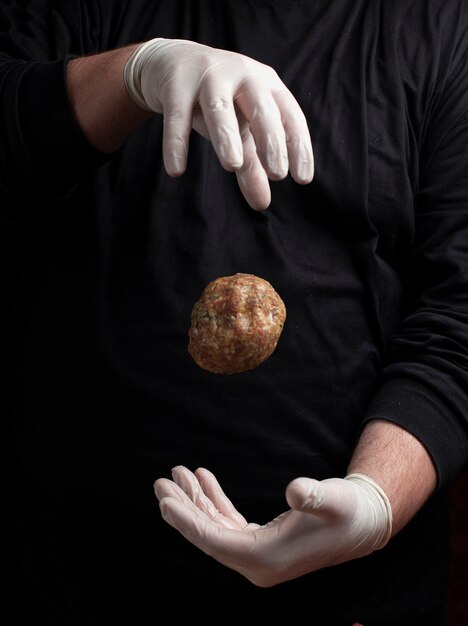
(381, 506)
(132, 73)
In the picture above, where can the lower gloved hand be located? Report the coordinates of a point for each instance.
(255, 124)
(330, 522)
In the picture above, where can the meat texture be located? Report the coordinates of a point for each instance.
(235, 324)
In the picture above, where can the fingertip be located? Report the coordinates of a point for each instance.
(259, 205)
(293, 491)
(230, 156)
(304, 494)
(277, 175)
(305, 177)
(202, 472)
(165, 510)
(174, 174)
(174, 169)
(229, 150)
(274, 157)
(304, 168)
(254, 185)
(158, 487)
(180, 473)
(175, 150)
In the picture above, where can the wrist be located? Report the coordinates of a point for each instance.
(103, 108)
(399, 464)
(133, 69)
(382, 515)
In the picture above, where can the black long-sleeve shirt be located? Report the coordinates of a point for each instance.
(371, 260)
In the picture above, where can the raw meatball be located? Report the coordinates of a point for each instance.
(236, 324)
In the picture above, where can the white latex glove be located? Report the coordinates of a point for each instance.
(330, 522)
(254, 122)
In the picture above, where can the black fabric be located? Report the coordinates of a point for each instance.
(370, 259)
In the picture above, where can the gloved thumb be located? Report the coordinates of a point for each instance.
(327, 498)
(356, 500)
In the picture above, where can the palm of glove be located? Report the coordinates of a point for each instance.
(329, 522)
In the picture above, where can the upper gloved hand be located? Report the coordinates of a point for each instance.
(330, 522)
(255, 124)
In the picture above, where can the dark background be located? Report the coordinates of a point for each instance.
(458, 599)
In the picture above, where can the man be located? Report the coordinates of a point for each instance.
(361, 409)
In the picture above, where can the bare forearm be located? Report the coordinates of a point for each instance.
(105, 112)
(400, 464)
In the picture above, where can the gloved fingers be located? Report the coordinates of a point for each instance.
(333, 498)
(186, 487)
(231, 544)
(215, 493)
(298, 140)
(232, 547)
(165, 488)
(170, 495)
(252, 178)
(190, 485)
(194, 85)
(177, 112)
(256, 103)
(166, 88)
(217, 105)
(198, 123)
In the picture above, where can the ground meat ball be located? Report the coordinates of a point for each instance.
(236, 324)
